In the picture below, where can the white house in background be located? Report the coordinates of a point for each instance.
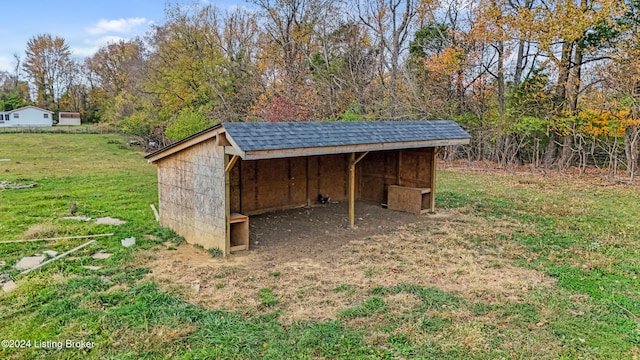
(26, 116)
(69, 118)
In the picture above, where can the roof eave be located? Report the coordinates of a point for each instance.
(185, 143)
(345, 149)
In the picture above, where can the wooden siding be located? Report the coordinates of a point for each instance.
(380, 169)
(191, 195)
(259, 186)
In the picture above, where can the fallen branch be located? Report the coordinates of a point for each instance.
(58, 257)
(8, 185)
(57, 238)
(155, 212)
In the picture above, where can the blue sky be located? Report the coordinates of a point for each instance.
(85, 25)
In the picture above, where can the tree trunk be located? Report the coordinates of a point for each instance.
(551, 150)
(563, 73)
(571, 98)
(517, 77)
(566, 156)
(501, 87)
(631, 150)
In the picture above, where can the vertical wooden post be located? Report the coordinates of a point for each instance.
(227, 206)
(352, 190)
(307, 184)
(434, 160)
(399, 168)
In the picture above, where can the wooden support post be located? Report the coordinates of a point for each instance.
(399, 168)
(352, 190)
(306, 163)
(352, 186)
(434, 161)
(227, 203)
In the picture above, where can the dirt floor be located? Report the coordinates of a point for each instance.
(318, 232)
(317, 266)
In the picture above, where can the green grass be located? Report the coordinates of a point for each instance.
(586, 236)
(583, 235)
(268, 298)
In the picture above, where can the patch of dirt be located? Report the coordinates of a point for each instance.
(38, 231)
(320, 230)
(318, 266)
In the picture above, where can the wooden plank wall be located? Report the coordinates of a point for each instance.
(375, 173)
(258, 186)
(414, 169)
(378, 170)
(234, 188)
(328, 176)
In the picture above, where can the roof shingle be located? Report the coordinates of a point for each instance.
(291, 135)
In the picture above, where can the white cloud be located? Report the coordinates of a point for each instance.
(94, 45)
(122, 26)
(110, 39)
(84, 52)
(7, 63)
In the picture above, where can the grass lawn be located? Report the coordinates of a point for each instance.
(546, 268)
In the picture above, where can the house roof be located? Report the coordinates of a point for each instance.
(30, 107)
(260, 140)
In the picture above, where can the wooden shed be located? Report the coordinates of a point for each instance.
(211, 182)
(69, 119)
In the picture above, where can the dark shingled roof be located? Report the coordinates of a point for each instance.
(291, 135)
(262, 140)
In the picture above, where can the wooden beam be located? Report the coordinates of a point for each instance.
(353, 161)
(227, 205)
(230, 150)
(345, 149)
(307, 180)
(184, 144)
(432, 185)
(352, 190)
(360, 157)
(221, 140)
(399, 168)
(231, 163)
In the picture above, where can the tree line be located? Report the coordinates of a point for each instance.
(553, 83)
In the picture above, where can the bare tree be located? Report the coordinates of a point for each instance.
(391, 22)
(49, 66)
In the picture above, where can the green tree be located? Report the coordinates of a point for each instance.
(115, 75)
(188, 122)
(200, 60)
(13, 92)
